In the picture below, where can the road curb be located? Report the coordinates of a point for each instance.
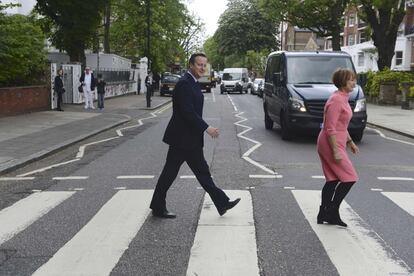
(15, 164)
(392, 130)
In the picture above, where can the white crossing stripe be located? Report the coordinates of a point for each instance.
(70, 177)
(265, 176)
(21, 214)
(356, 250)
(187, 177)
(395, 178)
(403, 200)
(97, 247)
(318, 177)
(15, 178)
(227, 243)
(135, 177)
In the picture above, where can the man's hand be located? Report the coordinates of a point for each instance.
(213, 132)
(337, 156)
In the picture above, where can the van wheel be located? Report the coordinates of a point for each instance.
(357, 136)
(285, 131)
(267, 120)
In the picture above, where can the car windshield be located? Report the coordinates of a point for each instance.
(258, 81)
(170, 79)
(315, 69)
(231, 76)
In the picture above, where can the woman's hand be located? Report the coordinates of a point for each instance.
(354, 148)
(337, 156)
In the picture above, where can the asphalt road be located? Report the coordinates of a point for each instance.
(98, 223)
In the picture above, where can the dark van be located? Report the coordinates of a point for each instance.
(297, 86)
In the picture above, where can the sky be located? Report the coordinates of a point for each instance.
(209, 11)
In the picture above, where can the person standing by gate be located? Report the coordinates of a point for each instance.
(333, 140)
(184, 135)
(59, 89)
(101, 91)
(88, 82)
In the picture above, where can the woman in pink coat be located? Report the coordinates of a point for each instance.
(333, 139)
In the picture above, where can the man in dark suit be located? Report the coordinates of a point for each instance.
(184, 135)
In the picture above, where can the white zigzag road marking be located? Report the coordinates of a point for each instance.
(246, 155)
(389, 138)
(82, 148)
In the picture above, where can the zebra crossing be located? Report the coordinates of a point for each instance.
(222, 245)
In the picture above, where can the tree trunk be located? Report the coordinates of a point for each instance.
(76, 52)
(107, 25)
(384, 23)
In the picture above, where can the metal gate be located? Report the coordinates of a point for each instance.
(68, 83)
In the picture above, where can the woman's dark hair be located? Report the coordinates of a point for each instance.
(193, 57)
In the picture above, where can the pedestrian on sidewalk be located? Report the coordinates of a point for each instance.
(88, 82)
(184, 135)
(59, 89)
(101, 91)
(333, 140)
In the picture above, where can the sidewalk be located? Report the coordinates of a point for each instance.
(28, 137)
(392, 118)
(31, 136)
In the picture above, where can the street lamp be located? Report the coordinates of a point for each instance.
(148, 11)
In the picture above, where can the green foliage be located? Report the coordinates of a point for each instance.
(71, 24)
(386, 76)
(210, 47)
(324, 17)
(243, 27)
(170, 25)
(256, 61)
(411, 94)
(22, 55)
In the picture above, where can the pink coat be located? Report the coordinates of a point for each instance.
(337, 114)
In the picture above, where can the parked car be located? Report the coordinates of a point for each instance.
(234, 80)
(257, 86)
(297, 86)
(168, 83)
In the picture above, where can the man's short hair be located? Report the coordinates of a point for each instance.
(341, 76)
(193, 57)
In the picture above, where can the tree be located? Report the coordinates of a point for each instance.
(211, 49)
(243, 27)
(323, 17)
(191, 32)
(22, 55)
(128, 30)
(384, 17)
(71, 24)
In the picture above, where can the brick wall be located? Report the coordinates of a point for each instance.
(16, 100)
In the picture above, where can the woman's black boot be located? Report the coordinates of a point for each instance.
(333, 212)
(322, 215)
(327, 194)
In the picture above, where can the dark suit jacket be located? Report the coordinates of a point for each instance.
(93, 80)
(58, 85)
(186, 127)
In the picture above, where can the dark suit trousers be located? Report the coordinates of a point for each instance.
(197, 163)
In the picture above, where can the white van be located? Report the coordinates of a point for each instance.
(234, 80)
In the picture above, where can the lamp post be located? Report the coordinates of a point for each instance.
(148, 12)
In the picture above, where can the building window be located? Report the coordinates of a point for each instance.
(361, 59)
(351, 39)
(398, 58)
(351, 20)
(362, 36)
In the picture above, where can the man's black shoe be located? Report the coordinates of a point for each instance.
(229, 205)
(163, 214)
